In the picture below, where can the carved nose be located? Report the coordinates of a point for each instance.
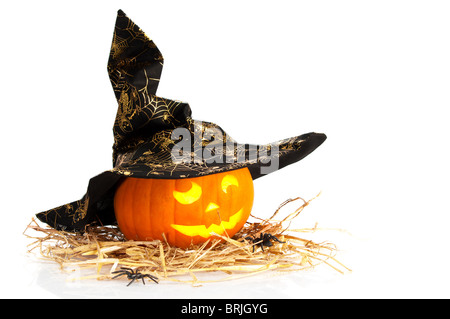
(211, 206)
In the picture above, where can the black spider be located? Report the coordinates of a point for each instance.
(263, 240)
(133, 275)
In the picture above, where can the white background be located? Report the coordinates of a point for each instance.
(373, 75)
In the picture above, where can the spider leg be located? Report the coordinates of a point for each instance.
(252, 240)
(151, 277)
(257, 242)
(122, 271)
(120, 274)
(131, 282)
(261, 241)
(275, 238)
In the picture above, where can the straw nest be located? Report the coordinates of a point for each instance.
(101, 250)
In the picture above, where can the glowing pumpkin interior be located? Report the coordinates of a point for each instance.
(184, 211)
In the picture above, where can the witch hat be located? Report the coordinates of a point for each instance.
(156, 137)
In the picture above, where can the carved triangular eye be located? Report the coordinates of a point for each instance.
(229, 180)
(189, 197)
(211, 206)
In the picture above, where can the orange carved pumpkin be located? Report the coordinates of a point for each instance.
(187, 210)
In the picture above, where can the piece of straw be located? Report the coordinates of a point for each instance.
(102, 250)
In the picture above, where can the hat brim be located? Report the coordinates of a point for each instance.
(149, 161)
(156, 158)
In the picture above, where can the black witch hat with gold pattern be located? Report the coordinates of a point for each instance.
(156, 137)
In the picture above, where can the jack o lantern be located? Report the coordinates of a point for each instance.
(187, 211)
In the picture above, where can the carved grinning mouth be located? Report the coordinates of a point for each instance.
(202, 230)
